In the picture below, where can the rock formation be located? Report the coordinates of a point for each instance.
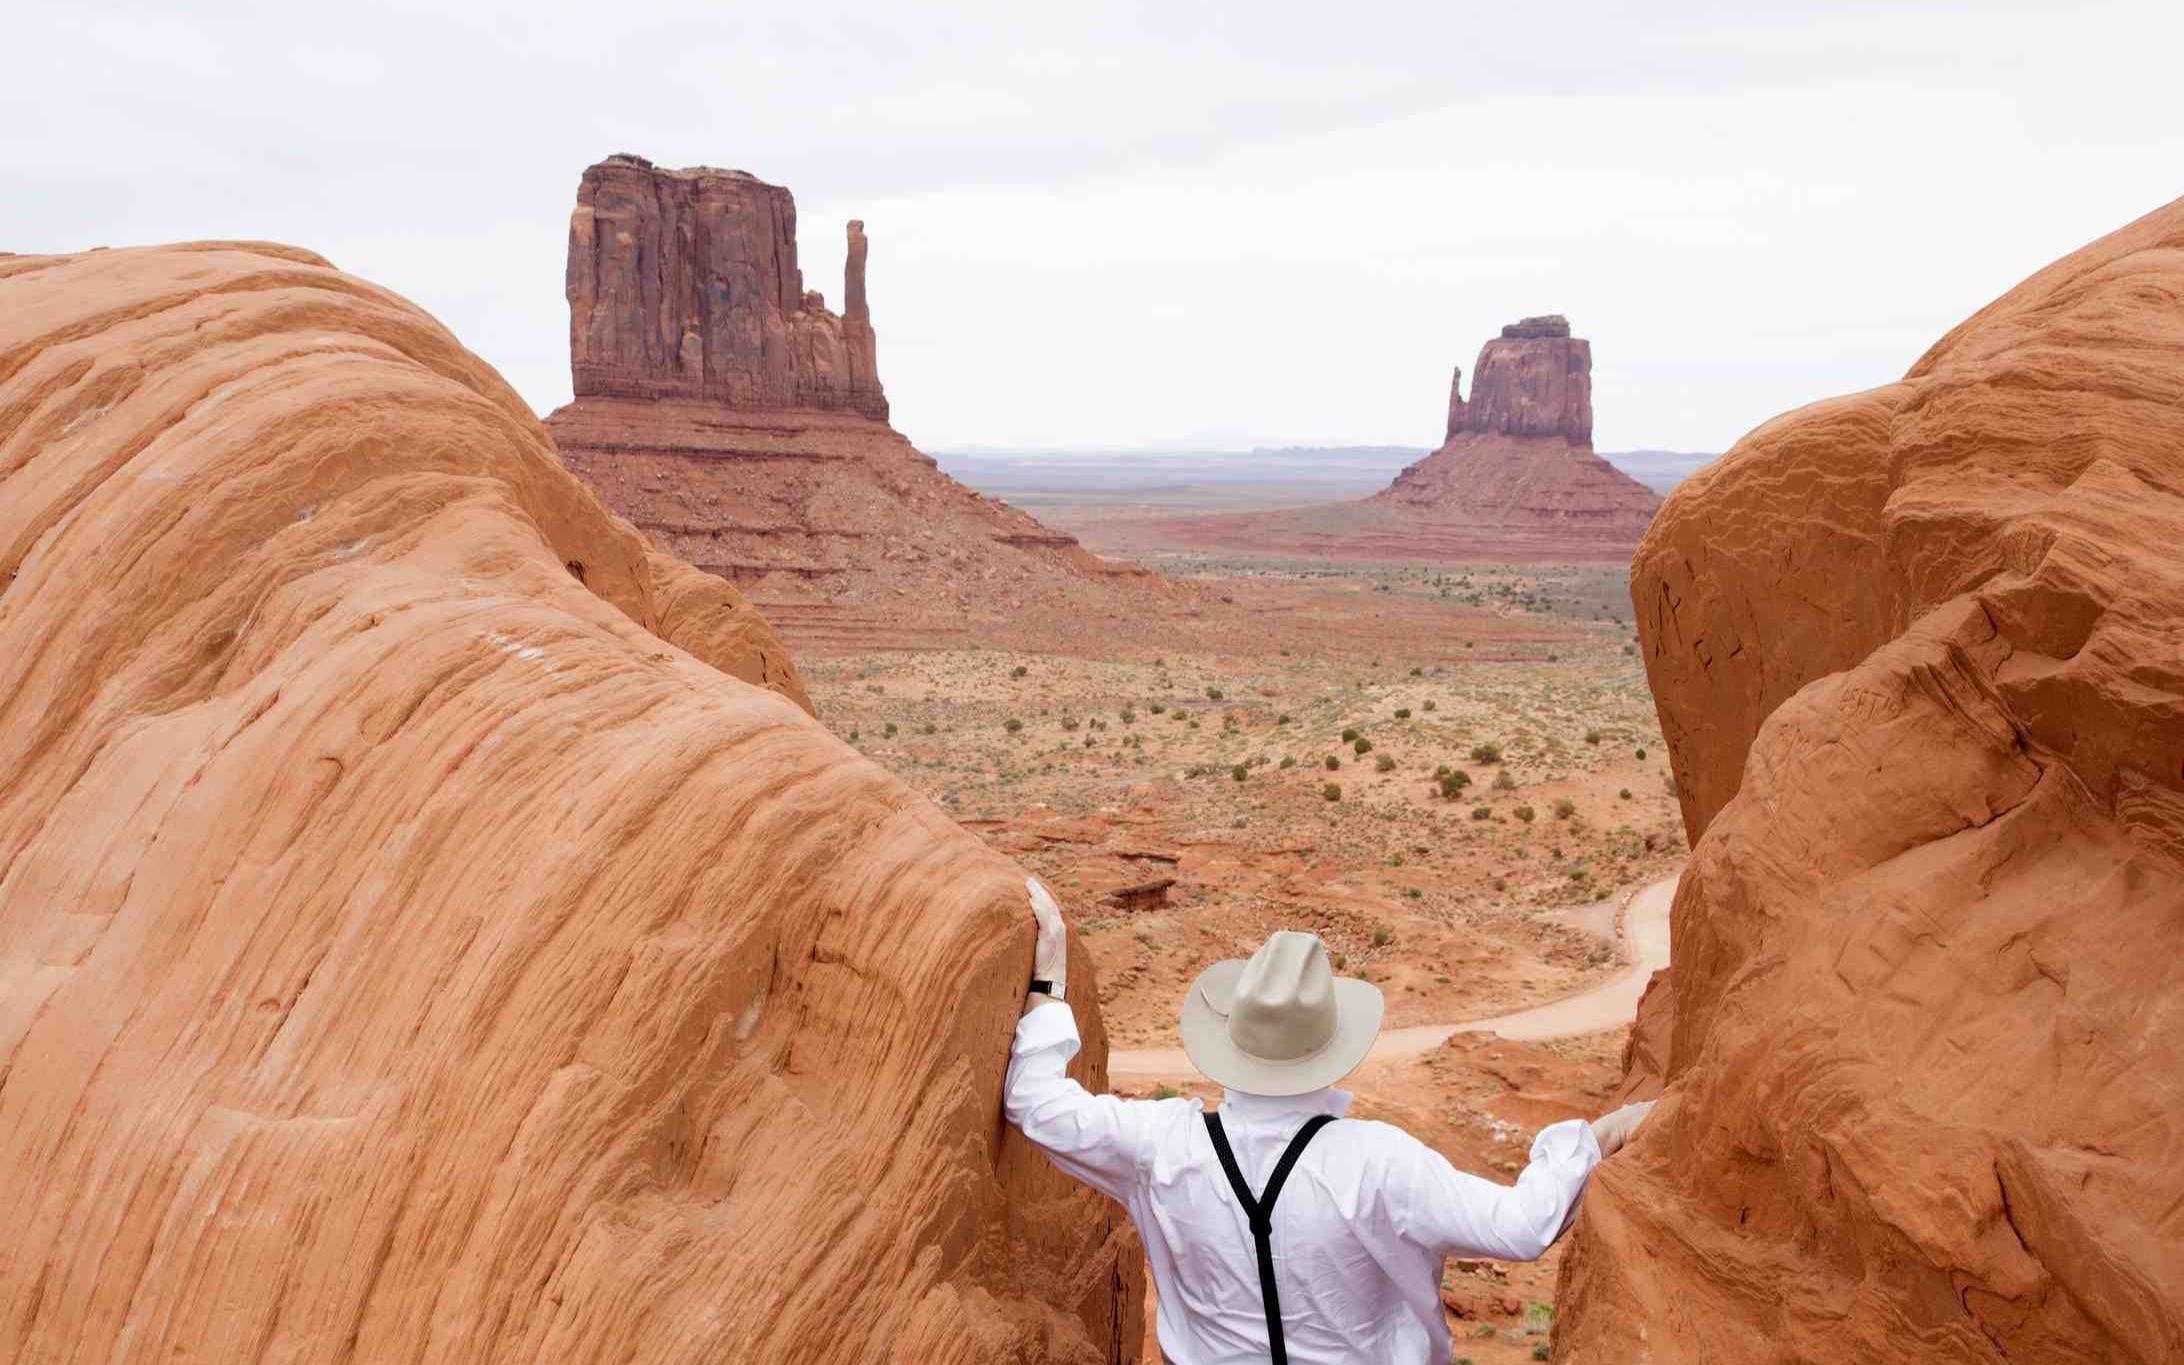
(1919, 656)
(685, 284)
(430, 927)
(742, 426)
(1515, 479)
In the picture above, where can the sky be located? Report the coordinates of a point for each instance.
(1172, 224)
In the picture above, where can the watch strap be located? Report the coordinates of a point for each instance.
(1053, 988)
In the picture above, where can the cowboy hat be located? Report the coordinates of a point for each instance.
(1280, 1023)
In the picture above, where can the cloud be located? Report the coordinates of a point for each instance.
(1104, 224)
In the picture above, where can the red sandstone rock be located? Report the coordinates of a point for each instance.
(1516, 479)
(1919, 654)
(685, 284)
(742, 427)
(416, 944)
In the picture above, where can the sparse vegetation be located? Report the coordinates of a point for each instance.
(1505, 781)
(1349, 735)
(1332, 763)
(1012, 725)
(1381, 936)
(1564, 808)
(1525, 813)
(1332, 791)
(1592, 736)
(1240, 771)
(1213, 694)
(1385, 763)
(1018, 671)
(1488, 752)
(1402, 713)
(1427, 705)
(1363, 746)
(1482, 812)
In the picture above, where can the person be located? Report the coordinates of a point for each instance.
(1276, 1228)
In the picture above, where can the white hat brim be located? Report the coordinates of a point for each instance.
(1358, 1010)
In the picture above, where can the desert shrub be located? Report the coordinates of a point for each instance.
(1240, 771)
(1541, 1352)
(1385, 763)
(1488, 752)
(1592, 736)
(853, 736)
(1129, 715)
(1018, 671)
(1332, 791)
(1500, 883)
(1505, 781)
(1381, 936)
(1349, 734)
(1194, 725)
(1418, 673)
(1069, 722)
(1482, 813)
(1157, 708)
(890, 731)
(1453, 783)
(1427, 705)
(1363, 746)
(1402, 713)
(1525, 813)
(1415, 894)
(1342, 960)
(1012, 725)
(1623, 795)
(1288, 761)
(1213, 694)
(1641, 755)
(1331, 763)
(1564, 808)
(931, 728)
(1282, 719)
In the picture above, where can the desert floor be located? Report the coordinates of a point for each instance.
(1186, 787)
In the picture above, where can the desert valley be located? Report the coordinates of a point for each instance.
(490, 886)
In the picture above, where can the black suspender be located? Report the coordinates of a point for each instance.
(1261, 1213)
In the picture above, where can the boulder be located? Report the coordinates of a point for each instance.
(432, 927)
(1919, 656)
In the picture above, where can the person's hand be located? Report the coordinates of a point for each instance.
(1611, 1130)
(1050, 955)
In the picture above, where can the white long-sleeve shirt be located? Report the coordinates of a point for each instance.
(1360, 1228)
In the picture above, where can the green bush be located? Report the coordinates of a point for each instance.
(890, 732)
(1332, 763)
(1240, 771)
(1482, 813)
(1156, 708)
(1385, 763)
(1213, 694)
(1488, 752)
(1402, 713)
(1525, 813)
(1282, 719)
(931, 728)
(1426, 705)
(1505, 781)
(1069, 722)
(1288, 761)
(1623, 795)
(1129, 715)
(1641, 754)
(1332, 791)
(1018, 671)
(1012, 725)
(1349, 734)
(1564, 808)
(1592, 736)
(1540, 1351)
(1453, 783)
(1363, 746)
(1381, 937)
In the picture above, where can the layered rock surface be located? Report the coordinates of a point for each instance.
(1516, 478)
(430, 926)
(1919, 656)
(742, 426)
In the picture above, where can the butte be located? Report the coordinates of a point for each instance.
(741, 424)
(1515, 478)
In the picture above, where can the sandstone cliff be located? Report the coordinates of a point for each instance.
(1919, 656)
(430, 929)
(741, 425)
(685, 284)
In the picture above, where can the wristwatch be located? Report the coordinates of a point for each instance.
(1053, 988)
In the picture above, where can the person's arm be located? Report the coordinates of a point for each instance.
(1435, 1204)
(1095, 1138)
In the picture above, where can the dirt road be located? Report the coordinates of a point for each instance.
(1611, 1003)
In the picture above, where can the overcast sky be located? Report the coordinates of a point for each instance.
(1104, 225)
